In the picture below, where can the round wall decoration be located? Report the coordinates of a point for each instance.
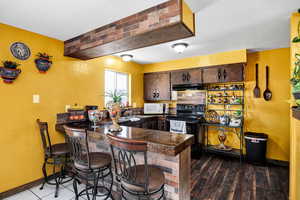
(20, 50)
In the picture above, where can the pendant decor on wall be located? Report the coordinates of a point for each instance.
(20, 50)
(9, 71)
(43, 62)
(297, 38)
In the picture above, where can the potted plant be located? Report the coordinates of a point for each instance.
(296, 78)
(9, 71)
(296, 87)
(114, 108)
(43, 62)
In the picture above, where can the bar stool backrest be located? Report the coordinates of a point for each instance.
(43, 126)
(123, 153)
(78, 142)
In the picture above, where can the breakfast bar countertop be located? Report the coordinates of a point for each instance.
(162, 142)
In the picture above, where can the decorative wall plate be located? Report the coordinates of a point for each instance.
(20, 50)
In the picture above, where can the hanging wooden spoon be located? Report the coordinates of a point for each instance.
(256, 90)
(267, 92)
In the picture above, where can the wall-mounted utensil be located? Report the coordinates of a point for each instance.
(267, 92)
(256, 90)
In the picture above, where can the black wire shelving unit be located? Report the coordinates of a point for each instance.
(226, 108)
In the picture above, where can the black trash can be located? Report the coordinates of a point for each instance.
(256, 147)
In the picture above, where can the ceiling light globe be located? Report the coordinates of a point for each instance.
(180, 47)
(126, 57)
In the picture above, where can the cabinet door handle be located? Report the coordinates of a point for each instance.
(183, 77)
(224, 74)
(188, 76)
(219, 74)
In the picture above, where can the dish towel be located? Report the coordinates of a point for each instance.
(177, 126)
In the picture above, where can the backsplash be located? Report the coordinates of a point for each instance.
(62, 118)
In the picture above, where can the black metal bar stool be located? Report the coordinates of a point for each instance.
(141, 180)
(56, 155)
(89, 167)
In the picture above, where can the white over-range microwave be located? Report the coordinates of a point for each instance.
(156, 108)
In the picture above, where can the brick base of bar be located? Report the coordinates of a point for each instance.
(177, 169)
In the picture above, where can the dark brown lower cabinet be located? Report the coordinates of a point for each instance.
(161, 124)
(148, 123)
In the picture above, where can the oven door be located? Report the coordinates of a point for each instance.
(194, 129)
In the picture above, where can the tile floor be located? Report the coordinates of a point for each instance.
(65, 193)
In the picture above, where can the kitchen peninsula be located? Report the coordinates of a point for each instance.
(167, 150)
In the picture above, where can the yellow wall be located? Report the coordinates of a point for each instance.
(270, 117)
(199, 61)
(68, 81)
(295, 124)
(261, 116)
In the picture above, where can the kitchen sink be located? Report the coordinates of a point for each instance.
(129, 118)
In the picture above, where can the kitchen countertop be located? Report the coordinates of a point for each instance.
(162, 142)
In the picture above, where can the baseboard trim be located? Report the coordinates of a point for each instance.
(268, 161)
(22, 188)
(278, 163)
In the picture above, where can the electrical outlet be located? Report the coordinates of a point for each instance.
(36, 98)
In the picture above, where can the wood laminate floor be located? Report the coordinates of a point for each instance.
(219, 178)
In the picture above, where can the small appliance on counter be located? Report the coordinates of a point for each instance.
(156, 108)
(75, 114)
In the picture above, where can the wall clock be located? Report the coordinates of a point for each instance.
(20, 50)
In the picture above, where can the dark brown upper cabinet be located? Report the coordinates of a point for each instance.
(157, 86)
(233, 73)
(224, 73)
(191, 76)
(212, 75)
(149, 86)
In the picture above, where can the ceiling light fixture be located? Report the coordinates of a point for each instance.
(126, 57)
(180, 47)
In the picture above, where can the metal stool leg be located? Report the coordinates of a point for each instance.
(45, 174)
(75, 189)
(56, 181)
(111, 184)
(87, 191)
(95, 189)
(163, 193)
(108, 189)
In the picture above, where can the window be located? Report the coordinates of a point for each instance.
(116, 81)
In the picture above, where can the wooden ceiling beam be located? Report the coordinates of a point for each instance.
(166, 22)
